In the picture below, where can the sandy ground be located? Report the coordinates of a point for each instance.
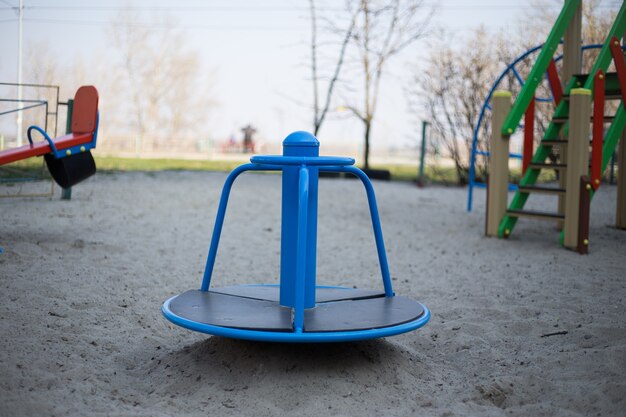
(82, 283)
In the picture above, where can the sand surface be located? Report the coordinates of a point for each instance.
(82, 283)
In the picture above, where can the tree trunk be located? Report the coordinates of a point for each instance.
(462, 173)
(366, 155)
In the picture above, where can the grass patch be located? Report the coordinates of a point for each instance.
(409, 173)
(35, 168)
(139, 164)
(27, 168)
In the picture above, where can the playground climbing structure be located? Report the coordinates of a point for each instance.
(569, 131)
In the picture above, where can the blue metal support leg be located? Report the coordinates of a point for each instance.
(221, 213)
(378, 231)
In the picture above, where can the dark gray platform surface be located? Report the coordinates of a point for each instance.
(272, 293)
(230, 311)
(372, 313)
(242, 312)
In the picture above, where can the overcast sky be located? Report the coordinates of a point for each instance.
(255, 52)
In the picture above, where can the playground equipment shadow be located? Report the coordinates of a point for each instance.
(519, 327)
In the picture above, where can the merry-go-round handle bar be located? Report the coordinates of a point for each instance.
(302, 160)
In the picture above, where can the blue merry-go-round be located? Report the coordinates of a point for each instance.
(297, 310)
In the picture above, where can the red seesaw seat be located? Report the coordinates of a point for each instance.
(84, 124)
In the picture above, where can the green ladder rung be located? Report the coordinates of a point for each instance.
(611, 82)
(530, 177)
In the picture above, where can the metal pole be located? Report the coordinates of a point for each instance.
(298, 144)
(19, 71)
(420, 176)
(66, 193)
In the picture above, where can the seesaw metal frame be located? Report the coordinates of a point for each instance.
(72, 150)
(299, 334)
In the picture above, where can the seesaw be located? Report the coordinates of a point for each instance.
(68, 157)
(297, 310)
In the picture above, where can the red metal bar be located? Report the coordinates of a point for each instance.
(41, 148)
(620, 65)
(529, 135)
(598, 129)
(555, 83)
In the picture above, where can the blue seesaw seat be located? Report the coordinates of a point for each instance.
(297, 310)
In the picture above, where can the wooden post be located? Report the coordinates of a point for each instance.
(577, 161)
(620, 222)
(572, 64)
(572, 42)
(497, 198)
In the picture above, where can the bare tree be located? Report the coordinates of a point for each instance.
(49, 72)
(383, 30)
(457, 79)
(451, 90)
(68, 74)
(156, 81)
(345, 33)
(597, 20)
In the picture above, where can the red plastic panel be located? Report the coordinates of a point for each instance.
(85, 110)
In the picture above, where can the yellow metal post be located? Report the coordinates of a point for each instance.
(497, 193)
(577, 161)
